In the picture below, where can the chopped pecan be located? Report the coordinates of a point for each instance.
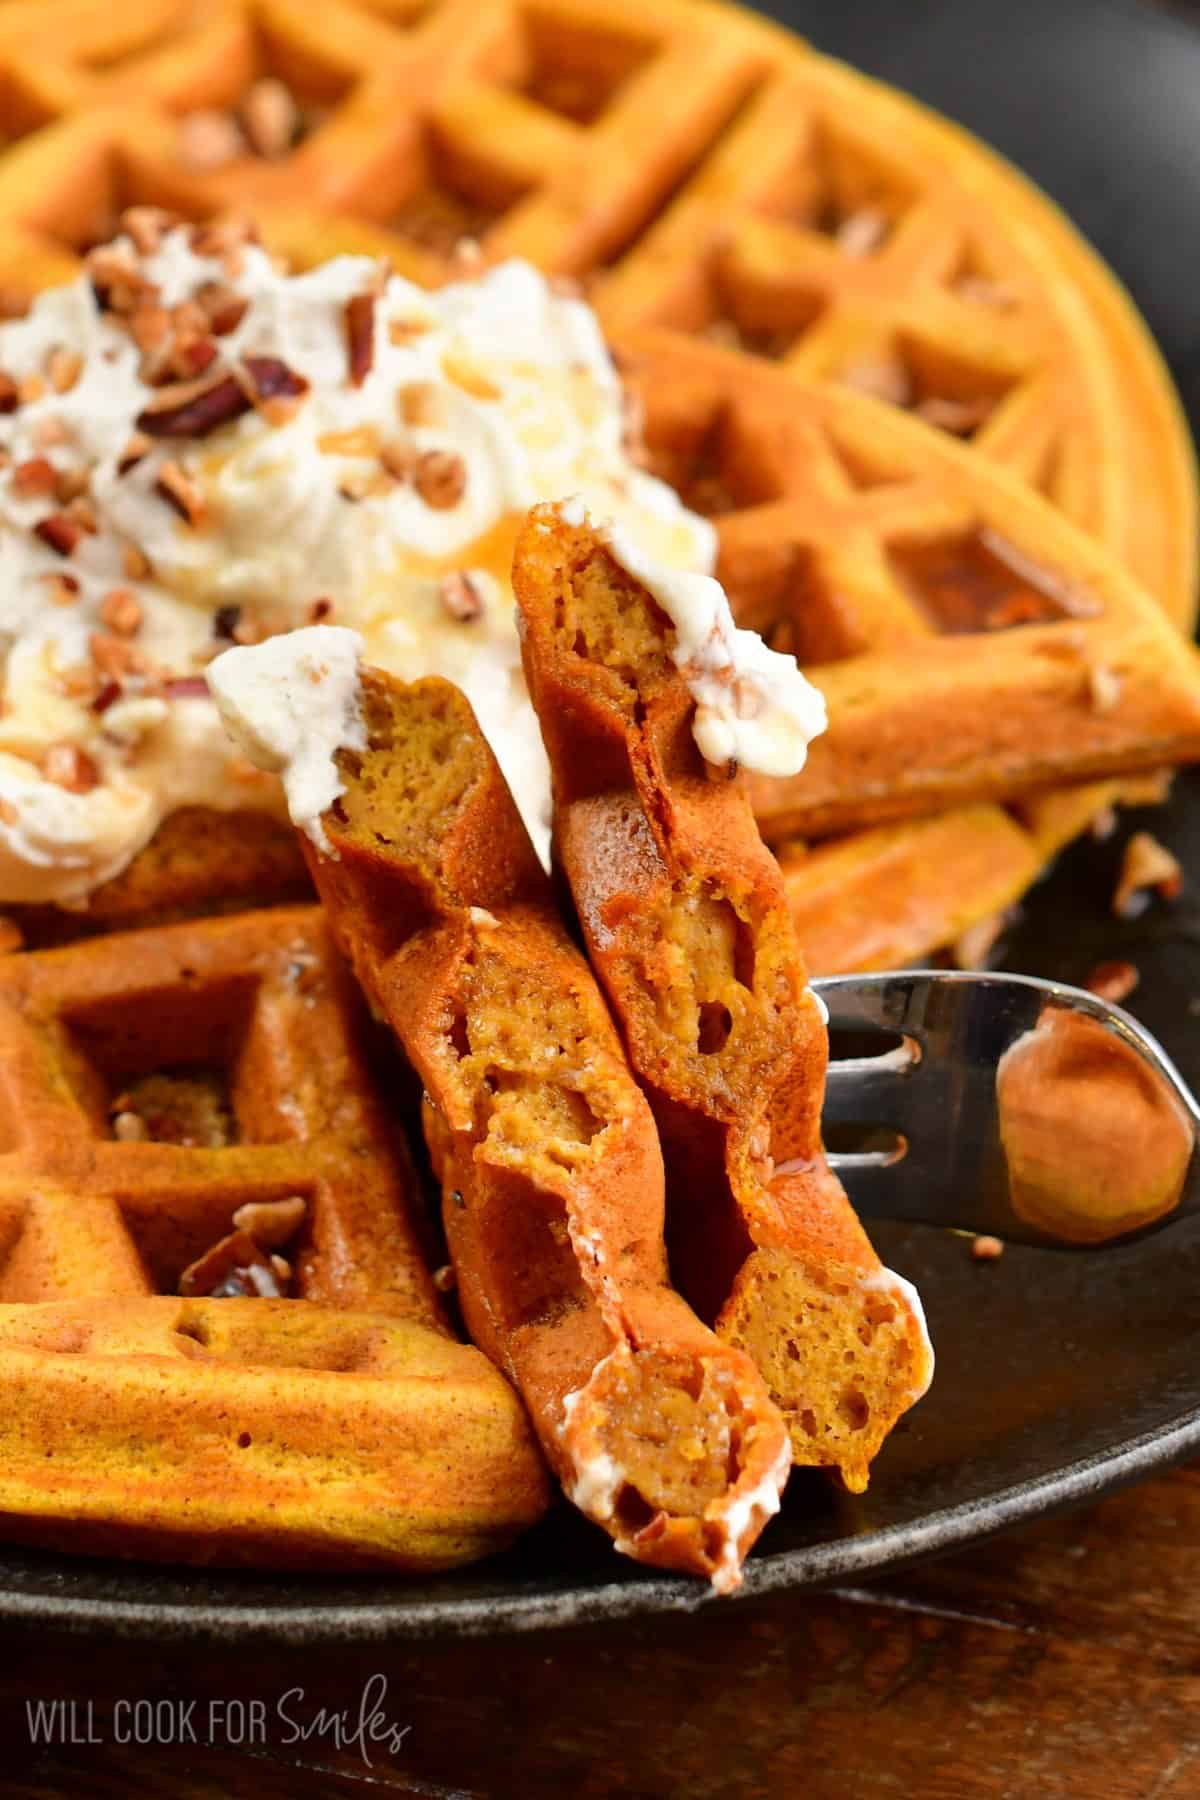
(150, 327)
(419, 404)
(320, 610)
(861, 233)
(271, 1223)
(270, 118)
(34, 478)
(121, 611)
(959, 417)
(60, 531)
(224, 307)
(225, 621)
(274, 389)
(9, 397)
(62, 590)
(117, 282)
(360, 336)
(440, 477)
(113, 658)
(459, 368)
(31, 389)
(398, 459)
(362, 441)
(461, 597)
(84, 514)
(1146, 864)
(136, 447)
(63, 369)
(67, 766)
(179, 490)
(135, 563)
(209, 140)
(235, 1267)
(8, 813)
(1113, 981)
(146, 226)
(220, 237)
(986, 1248)
(70, 485)
(193, 408)
(108, 695)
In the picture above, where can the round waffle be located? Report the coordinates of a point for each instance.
(692, 168)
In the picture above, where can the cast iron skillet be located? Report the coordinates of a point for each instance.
(1061, 1376)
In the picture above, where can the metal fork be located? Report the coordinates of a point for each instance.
(1006, 1106)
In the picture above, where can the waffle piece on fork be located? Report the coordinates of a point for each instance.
(312, 1411)
(550, 1168)
(686, 921)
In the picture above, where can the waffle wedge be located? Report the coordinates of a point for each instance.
(550, 1167)
(339, 1426)
(686, 920)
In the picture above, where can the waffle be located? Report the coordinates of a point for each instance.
(550, 1167)
(815, 221)
(887, 599)
(685, 918)
(331, 1420)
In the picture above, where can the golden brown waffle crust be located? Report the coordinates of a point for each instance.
(340, 1427)
(545, 1148)
(685, 919)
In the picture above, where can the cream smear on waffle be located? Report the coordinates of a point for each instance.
(200, 450)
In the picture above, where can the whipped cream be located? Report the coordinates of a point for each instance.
(289, 704)
(354, 450)
(886, 1281)
(753, 706)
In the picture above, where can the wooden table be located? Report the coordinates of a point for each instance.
(1061, 1660)
(1058, 1660)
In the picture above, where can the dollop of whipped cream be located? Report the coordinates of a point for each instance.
(197, 449)
(290, 704)
(754, 708)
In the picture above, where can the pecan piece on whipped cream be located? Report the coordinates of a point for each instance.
(360, 336)
(193, 408)
(60, 531)
(440, 477)
(67, 766)
(461, 597)
(271, 379)
(178, 489)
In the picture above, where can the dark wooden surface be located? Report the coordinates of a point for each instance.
(1057, 1661)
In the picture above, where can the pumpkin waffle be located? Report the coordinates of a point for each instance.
(153, 1084)
(895, 251)
(969, 642)
(686, 921)
(550, 1167)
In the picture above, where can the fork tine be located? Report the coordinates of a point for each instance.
(945, 1102)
